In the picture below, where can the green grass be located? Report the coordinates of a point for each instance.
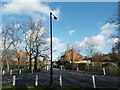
(115, 70)
(46, 87)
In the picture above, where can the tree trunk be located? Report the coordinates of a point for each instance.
(8, 67)
(6, 59)
(18, 63)
(35, 63)
(30, 67)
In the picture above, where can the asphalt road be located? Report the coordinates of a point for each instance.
(71, 78)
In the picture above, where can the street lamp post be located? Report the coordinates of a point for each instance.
(51, 69)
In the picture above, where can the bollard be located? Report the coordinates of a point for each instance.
(77, 68)
(47, 68)
(61, 67)
(20, 71)
(14, 80)
(93, 78)
(10, 72)
(60, 79)
(104, 71)
(32, 70)
(88, 68)
(64, 68)
(3, 72)
(36, 80)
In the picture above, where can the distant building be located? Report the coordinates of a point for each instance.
(72, 57)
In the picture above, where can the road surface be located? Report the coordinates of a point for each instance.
(70, 78)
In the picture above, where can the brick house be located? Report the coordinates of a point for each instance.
(72, 57)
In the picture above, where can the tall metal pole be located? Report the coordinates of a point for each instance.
(118, 31)
(51, 69)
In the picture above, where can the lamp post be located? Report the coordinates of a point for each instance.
(51, 69)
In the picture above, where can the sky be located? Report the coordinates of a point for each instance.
(78, 22)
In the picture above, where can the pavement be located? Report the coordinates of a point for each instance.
(70, 78)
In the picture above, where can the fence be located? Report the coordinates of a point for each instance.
(95, 69)
(16, 67)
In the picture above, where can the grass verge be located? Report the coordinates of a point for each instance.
(47, 87)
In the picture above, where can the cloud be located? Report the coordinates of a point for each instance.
(58, 47)
(101, 40)
(33, 8)
(112, 41)
(108, 29)
(107, 32)
(57, 44)
(108, 26)
(71, 32)
(99, 23)
(98, 42)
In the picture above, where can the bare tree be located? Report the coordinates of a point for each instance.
(69, 47)
(91, 50)
(39, 43)
(8, 35)
(28, 36)
(10, 56)
(17, 44)
(98, 58)
(35, 35)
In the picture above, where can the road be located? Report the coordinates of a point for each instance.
(71, 78)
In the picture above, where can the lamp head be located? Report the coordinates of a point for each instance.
(55, 17)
